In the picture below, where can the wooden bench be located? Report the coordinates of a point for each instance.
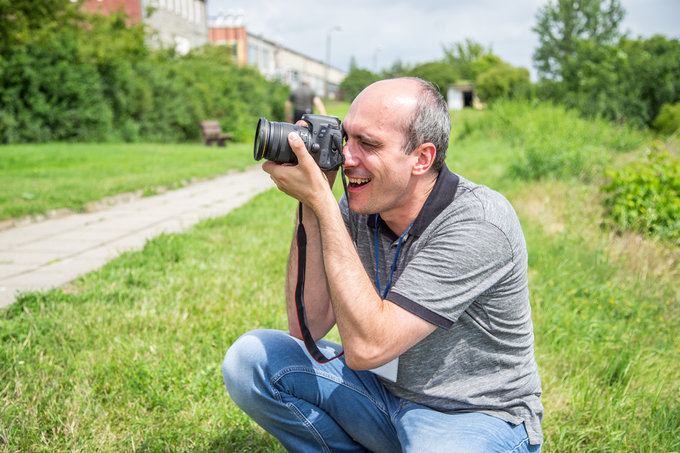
(212, 132)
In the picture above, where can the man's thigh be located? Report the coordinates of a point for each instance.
(422, 429)
(271, 376)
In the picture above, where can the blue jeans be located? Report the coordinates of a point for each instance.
(312, 407)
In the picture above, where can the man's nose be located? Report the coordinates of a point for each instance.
(350, 159)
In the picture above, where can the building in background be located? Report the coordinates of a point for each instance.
(462, 95)
(273, 60)
(173, 23)
(183, 24)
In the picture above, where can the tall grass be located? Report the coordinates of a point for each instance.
(549, 140)
(127, 358)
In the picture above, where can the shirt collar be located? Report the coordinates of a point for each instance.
(442, 195)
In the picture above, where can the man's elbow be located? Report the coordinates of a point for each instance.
(364, 357)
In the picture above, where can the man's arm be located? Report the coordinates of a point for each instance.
(318, 307)
(373, 331)
(287, 108)
(318, 103)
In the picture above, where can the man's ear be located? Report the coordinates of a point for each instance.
(424, 155)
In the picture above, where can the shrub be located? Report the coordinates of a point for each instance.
(644, 196)
(50, 94)
(503, 81)
(668, 119)
(99, 82)
(355, 82)
(439, 73)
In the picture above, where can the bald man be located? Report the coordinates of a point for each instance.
(424, 273)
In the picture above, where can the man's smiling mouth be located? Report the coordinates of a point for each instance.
(358, 182)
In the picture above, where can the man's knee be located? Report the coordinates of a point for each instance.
(248, 359)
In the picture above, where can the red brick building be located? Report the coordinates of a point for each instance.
(133, 8)
(178, 23)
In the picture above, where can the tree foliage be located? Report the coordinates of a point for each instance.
(563, 23)
(463, 56)
(439, 73)
(92, 78)
(19, 19)
(626, 82)
(356, 81)
(503, 81)
(466, 61)
(587, 65)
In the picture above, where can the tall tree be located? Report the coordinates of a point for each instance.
(563, 23)
(462, 55)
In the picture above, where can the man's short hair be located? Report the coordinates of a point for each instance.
(431, 122)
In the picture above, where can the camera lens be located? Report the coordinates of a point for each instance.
(271, 141)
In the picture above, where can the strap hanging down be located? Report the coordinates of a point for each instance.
(299, 295)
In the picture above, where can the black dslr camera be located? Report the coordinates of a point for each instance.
(322, 137)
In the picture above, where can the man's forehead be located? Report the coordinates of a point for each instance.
(383, 106)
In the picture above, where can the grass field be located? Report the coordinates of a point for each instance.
(37, 179)
(127, 358)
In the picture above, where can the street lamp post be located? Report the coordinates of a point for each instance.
(328, 58)
(375, 58)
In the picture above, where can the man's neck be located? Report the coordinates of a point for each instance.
(399, 219)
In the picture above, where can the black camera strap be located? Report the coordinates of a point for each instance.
(310, 344)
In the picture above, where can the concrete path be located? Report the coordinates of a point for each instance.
(50, 253)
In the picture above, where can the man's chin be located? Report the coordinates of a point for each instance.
(360, 208)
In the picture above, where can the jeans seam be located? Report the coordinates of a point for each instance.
(298, 414)
(520, 445)
(331, 377)
(307, 424)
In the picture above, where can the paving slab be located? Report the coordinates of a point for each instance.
(50, 253)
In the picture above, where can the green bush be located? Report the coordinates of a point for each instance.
(439, 73)
(624, 82)
(50, 94)
(644, 196)
(503, 81)
(95, 80)
(668, 119)
(355, 82)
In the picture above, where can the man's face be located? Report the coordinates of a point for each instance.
(379, 172)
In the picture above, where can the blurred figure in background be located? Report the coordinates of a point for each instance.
(303, 100)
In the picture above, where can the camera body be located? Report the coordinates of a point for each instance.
(322, 137)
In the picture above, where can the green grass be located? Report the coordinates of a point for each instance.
(37, 179)
(127, 358)
(40, 178)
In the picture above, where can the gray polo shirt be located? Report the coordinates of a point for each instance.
(462, 267)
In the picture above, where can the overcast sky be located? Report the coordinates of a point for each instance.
(379, 32)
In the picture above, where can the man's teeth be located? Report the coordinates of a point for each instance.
(359, 180)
